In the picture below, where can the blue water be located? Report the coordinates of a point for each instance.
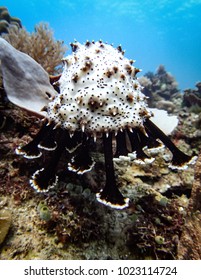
(152, 32)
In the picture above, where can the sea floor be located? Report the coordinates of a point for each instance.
(68, 222)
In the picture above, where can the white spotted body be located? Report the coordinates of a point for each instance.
(98, 91)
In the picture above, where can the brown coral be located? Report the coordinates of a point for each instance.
(160, 86)
(40, 45)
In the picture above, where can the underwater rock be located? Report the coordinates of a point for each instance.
(5, 223)
(189, 244)
(26, 83)
(192, 98)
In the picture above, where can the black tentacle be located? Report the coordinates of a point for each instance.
(148, 140)
(110, 195)
(179, 159)
(75, 140)
(48, 142)
(45, 178)
(121, 145)
(31, 149)
(82, 161)
(137, 144)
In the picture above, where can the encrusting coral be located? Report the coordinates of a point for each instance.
(100, 99)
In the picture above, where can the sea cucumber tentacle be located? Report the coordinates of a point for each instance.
(31, 149)
(44, 179)
(137, 145)
(110, 195)
(82, 162)
(121, 145)
(179, 159)
(48, 142)
(73, 142)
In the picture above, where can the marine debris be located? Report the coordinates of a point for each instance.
(99, 100)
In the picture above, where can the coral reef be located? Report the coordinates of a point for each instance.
(158, 201)
(7, 21)
(40, 45)
(161, 88)
(192, 98)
